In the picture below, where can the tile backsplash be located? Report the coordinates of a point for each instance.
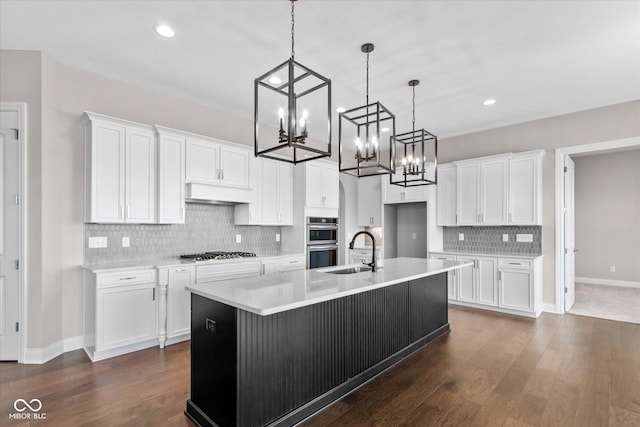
(207, 227)
(489, 240)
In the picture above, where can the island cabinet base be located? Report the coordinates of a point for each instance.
(252, 370)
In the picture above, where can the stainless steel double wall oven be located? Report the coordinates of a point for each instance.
(322, 242)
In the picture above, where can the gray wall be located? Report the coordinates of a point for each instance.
(607, 215)
(412, 219)
(598, 125)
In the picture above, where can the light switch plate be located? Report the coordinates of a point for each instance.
(524, 237)
(460, 236)
(238, 238)
(414, 236)
(505, 237)
(126, 242)
(277, 237)
(97, 242)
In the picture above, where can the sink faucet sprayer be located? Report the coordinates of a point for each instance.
(372, 264)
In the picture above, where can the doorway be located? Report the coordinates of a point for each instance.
(12, 142)
(565, 218)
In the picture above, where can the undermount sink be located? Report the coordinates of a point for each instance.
(349, 270)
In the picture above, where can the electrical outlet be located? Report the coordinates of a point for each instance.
(277, 237)
(612, 269)
(460, 236)
(505, 237)
(97, 242)
(126, 242)
(524, 237)
(238, 238)
(414, 236)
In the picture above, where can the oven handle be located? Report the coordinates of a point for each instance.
(321, 247)
(322, 227)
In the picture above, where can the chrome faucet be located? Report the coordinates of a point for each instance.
(372, 264)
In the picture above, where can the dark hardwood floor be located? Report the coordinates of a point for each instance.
(490, 370)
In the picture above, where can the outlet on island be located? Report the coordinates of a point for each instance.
(238, 238)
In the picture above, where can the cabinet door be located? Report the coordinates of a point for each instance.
(298, 262)
(466, 281)
(451, 276)
(487, 277)
(285, 194)
(140, 177)
(493, 199)
(106, 143)
(270, 203)
(234, 166)
(369, 202)
(179, 300)
(125, 315)
(392, 193)
(468, 193)
(313, 184)
(446, 195)
(203, 163)
(269, 267)
(516, 289)
(524, 191)
(171, 170)
(330, 185)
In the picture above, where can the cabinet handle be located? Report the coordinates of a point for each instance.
(499, 276)
(515, 263)
(510, 217)
(127, 278)
(154, 294)
(222, 173)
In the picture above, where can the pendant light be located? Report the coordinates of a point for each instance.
(364, 148)
(294, 104)
(419, 153)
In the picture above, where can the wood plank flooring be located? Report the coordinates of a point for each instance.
(490, 370)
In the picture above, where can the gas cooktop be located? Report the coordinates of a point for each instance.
(207, 256)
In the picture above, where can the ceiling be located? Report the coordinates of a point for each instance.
(536, 58)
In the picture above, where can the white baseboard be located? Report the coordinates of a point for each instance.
(550, 308)
(607, 282)
(53, 350)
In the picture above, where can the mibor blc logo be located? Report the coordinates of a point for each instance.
(28, 410)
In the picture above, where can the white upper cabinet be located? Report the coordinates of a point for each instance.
(322, 184)
(370, 202)
(171, 176)
(482, 191)
(216, 163)
(525, 188)
(120, 182)
(397, 194)
(447, 191)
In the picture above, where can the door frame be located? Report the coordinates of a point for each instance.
(559, 206)
(21, 109)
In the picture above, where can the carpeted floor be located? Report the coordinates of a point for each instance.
(607, 302)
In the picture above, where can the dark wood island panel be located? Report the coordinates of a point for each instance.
(252, 370)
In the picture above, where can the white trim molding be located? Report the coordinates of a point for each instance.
(608, 282)
(21, 109)
(618, 144)
(53, 350)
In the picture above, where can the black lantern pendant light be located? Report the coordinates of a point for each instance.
(419, 151)
(295, 104)
(364, 149)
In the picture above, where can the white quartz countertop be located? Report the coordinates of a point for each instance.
(278, 292)
(480, 254)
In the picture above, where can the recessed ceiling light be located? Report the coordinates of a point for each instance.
(341, 110)
(384, 130)
(488, 102)
(164, 30)
(275, 80)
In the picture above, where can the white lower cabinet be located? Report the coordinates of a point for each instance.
(175, 303)
(120, 312)
(520, 284)
(452, 292)
(284, 263)
(511, 285)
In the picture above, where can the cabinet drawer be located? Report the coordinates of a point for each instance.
(516, 263)
(443, 257)
(132, 277)
(298, 263)
(216, 273)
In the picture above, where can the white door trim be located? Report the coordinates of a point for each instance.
(559, 181)
(21, 109)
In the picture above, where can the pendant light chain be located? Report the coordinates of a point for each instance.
(293, 21)
(413, 125)
(367, 81)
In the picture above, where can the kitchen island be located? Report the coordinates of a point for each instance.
(274, 349)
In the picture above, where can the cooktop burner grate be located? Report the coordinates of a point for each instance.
(214, 255)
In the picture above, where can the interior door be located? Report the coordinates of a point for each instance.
(569, 234)
(9, 239)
